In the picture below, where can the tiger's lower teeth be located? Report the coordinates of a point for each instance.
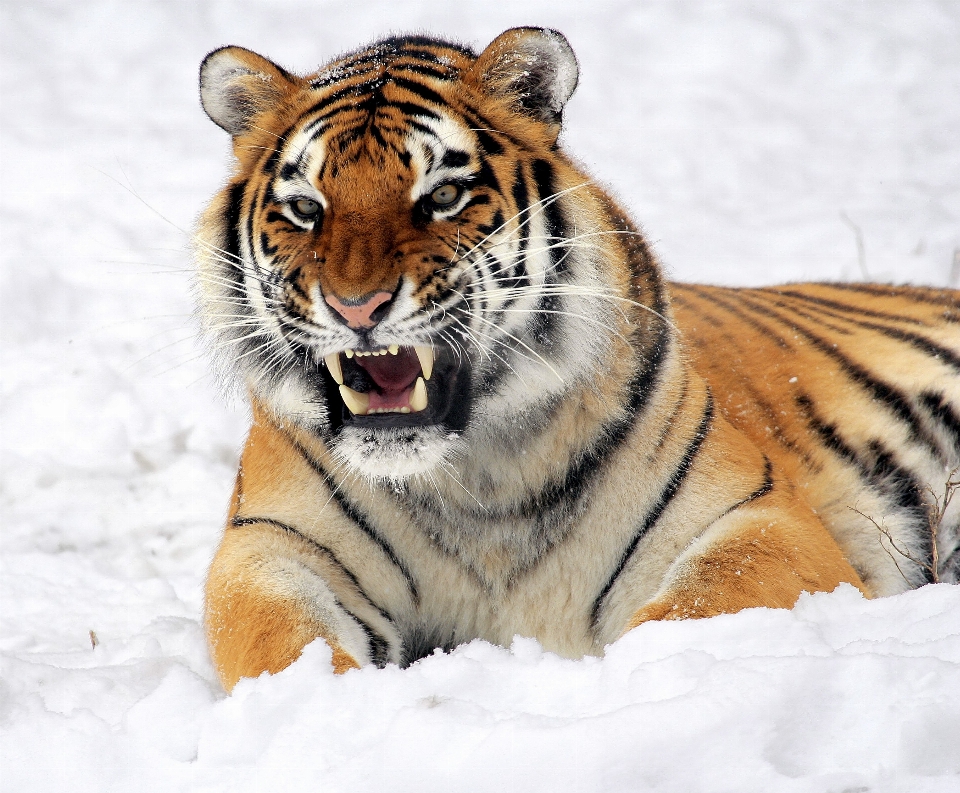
(359, 404)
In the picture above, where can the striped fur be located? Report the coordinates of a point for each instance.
(596, 449)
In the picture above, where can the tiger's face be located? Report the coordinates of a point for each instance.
(389, 264)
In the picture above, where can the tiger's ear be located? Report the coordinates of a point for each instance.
(533, 67)
(237, 84)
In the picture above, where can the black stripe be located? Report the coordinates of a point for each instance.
(378, 137)
(312, 130)
(891, 397)
(270, 163)
(422, 640)
(379, 646)
(323, 549)
(278, 217)
(486, 176)
(289, 170)
(232, 223)
(454, 158)
(428, 41)
(234, 271)
(265, 247)
(347, 92)
(478, 200)
(818, 317)
(496, 223)
(936, 297)
(412, 109)
(521, 198)
(294, 279)
(826, 432)
(358, 517)
(479, 122)
(543, 176)
(846, 308)
(250, 238)
(759, 327)
(941, 410)
(426, 71)
(427, 94)
(761, 491)
(922, 343)
(668, 493)
(679, 299)
(643, 383)
(411, 124)
(587, 465)
(878, 467)
(488, 143)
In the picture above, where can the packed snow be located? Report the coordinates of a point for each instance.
(756, 141)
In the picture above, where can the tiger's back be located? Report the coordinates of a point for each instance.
(852, 389)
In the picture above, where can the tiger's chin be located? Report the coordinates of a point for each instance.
(396, 453)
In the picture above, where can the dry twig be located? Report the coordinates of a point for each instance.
(939, 509)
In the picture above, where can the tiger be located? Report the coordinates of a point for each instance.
(479, 410)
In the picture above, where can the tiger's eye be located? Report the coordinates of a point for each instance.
(445, 195)
(306, 208)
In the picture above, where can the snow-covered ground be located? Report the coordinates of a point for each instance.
(754, 140)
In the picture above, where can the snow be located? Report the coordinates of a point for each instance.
(754, 140)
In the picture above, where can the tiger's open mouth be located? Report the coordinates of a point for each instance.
(398, 387)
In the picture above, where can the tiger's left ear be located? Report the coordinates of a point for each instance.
(533, 67)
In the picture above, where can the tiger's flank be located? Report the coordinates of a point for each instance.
(480, 411)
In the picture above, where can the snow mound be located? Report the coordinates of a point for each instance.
(838, 694)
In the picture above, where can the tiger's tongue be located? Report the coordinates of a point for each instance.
(394, 376)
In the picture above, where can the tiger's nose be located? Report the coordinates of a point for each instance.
(362, 313)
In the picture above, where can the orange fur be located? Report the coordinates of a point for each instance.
(782, 552)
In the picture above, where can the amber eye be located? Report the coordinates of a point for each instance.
(445, 195)
(306, 208)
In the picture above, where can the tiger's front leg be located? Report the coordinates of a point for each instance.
(765, 555)
(266, 600)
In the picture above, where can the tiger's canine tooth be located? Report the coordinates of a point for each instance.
(425, 354)
(333, 365)
(418, 399)
(356, 403)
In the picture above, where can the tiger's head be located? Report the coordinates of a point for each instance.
(402, 260)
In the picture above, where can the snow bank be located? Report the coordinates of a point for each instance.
(754, 140)
(838, 694)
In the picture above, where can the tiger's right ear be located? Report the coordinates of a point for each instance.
(535, 68)
(237, 84)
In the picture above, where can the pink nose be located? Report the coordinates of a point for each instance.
(360, 315)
